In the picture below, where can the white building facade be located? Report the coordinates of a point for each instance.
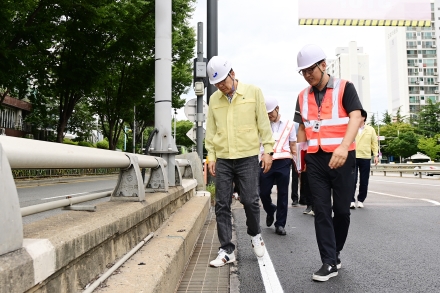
(412, 65)
(352, 64)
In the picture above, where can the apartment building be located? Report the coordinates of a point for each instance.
(352, 64)
(412, 65)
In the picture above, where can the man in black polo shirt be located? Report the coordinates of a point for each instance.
(328, 111)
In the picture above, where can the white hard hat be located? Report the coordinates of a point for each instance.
(271, 104)
(309, 55)
(218, 69)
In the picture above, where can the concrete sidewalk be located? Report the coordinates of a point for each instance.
(199, 276)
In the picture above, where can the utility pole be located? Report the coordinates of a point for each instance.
(199, 88)
(175, 117)
(163, 144)
(212, 37)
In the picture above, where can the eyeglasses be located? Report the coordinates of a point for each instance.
(221, 82)
(308, 70)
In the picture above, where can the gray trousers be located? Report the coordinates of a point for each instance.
(244, 172)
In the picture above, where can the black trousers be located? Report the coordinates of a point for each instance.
(363, 168)
(294, 183)
(305, 193)
(325, 183)
(280, 171)
(245, 172)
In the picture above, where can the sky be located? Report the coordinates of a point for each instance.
(262, 38)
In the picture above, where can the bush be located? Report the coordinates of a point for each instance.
(86, 144)
(69, 141)
(211, 188)
(103, 144)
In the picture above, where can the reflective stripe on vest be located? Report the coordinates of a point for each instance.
(279, 152)
(333, 117)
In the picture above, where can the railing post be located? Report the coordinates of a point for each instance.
(130, 186)
(11, 228)
(158, 179)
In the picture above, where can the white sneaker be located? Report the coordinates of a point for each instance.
(258, 245)
(222, 258)
(352, 205)
(360, 204)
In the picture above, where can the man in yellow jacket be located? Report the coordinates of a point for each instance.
(237, 123)
(366, 143)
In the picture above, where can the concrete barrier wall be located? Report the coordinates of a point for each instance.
(64, 253)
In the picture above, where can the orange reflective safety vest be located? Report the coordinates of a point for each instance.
(331, 116)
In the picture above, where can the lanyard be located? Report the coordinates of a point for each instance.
(320, 106)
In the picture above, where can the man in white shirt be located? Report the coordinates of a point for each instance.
(284, 134)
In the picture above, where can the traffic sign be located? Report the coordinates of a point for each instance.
(191, 109)
(381, 137)
(192, 134)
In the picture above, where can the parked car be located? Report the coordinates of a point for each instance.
(425, 170)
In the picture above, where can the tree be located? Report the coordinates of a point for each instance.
(372, 121)
(44, 113)
(405, 145)
(82, 122)
(182, 127)
(22, 37)
(391, 132)
(430, 146)
(71, 50)
(428, 119)
(129, 82)
(387, 119)
(399, 117)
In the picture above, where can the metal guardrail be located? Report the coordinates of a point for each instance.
(406, 168)
(20, 153)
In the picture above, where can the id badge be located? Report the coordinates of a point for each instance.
(317, 126)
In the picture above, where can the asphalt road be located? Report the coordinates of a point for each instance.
(393, 244)
(38, 192)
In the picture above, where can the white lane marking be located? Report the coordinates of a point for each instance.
(43, 255)
(268, 274)
(405, 197)
(398, 182)
(63, 195)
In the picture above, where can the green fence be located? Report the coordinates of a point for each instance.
(47, 173)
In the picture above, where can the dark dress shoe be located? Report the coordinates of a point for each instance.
(280, 230)
(270, 218)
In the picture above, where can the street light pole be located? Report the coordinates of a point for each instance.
(125, 138)
(378, 134)
(134, 129)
